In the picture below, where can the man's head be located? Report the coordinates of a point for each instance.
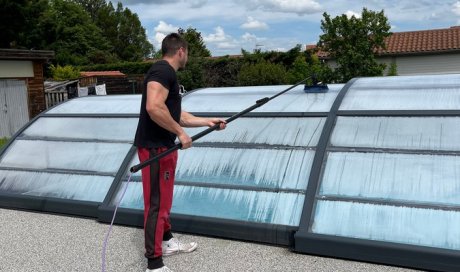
(175, 47)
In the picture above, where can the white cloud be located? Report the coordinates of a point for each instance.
(300, 7)
(165, 28)
(351, 13)
(456, 8)
(218, 36)
(434, 16)
(159, 38)
(280, 49)
(253, 24)
(221, 43)
(220, 40)
(161, 30)
(249, 37)
(197, 3)
(158, 2)
(227, 45)
(278, 16)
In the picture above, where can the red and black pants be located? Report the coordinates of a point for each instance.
(158, 187)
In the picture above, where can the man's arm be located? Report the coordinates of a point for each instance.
(190, 120)
(159, 113)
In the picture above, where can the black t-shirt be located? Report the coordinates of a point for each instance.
(149, 134)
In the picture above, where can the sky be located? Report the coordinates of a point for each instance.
(228, 26)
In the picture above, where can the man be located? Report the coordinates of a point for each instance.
(161, 120)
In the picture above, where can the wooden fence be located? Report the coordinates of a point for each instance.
(55, 97)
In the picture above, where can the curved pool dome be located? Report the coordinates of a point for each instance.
(369, 170)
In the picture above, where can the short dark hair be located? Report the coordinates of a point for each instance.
(171, 43)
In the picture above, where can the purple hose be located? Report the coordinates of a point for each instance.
(104, 247)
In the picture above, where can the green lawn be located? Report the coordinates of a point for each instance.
(3, 141)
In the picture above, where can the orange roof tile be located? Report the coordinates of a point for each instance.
(102, 73)
(416, 42)
(424, 41)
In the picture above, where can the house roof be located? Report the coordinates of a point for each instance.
(417, 42)
(20, 54)
(53, 85)
(102, 73)
(424, 41)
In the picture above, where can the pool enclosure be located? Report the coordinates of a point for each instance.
(369, 170)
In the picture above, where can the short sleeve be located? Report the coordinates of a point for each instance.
(163, 75)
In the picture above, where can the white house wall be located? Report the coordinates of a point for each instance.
(419, 65)
(16, 69)
(432, 64)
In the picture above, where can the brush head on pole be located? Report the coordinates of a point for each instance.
(317, 87)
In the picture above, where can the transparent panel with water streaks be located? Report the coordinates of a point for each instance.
(423, 133)
(66, 186)
(107, 104)
(427, 179)
(236, 99)
(427, 92)
(85, 156)
(414, 226)
(117, 129)
(262, 168)
(242, 205)
(269, 131)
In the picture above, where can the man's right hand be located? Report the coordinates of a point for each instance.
(185, 140)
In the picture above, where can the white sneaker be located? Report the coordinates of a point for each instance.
(173, 246)
(162, 269)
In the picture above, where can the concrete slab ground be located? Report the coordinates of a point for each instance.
(33, 242)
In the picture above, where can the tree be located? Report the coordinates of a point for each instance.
(353, 42)
(222, 72)
(92, 6)
(287, 58)
(131, 41)
(18, 21)
(299, 70)
(196, 46)
(121, 28)
(66, 28)
(262, 73)
(11, 22)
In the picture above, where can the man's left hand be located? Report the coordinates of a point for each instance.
(215, 121)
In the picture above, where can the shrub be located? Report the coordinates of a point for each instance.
(3, 142)
(262, 73)
(64, 72)
(393, 70)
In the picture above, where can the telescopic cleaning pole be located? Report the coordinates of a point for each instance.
(258, 103)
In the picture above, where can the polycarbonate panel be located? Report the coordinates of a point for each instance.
(106, 104)
(415, 226)
(260, 207)
(433, 179)
(261, 168)
(427, 92)
(236, 99)
(271, 131)
(86, 156)
(65, 186)
(425, 133)
(118, 129)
